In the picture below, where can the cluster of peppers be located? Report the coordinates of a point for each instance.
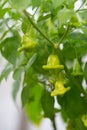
(53, 64)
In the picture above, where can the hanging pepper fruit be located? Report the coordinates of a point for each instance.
(59, 89)
(77, 70)
(53, 63)
(27, 44)
(84, 120)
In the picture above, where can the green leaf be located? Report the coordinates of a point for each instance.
(9, 49)
(20, 5)
(41, 17)
(33, 111)
(47, 104)
(17, 73)
(6, 71)
(2, 12)
(17, 80)
(31, 61)
(14, 14)
(64, 16)
(25, 25)
(25, 95)
(30, 77)
(33, 107)
(85, 72)
(16, 86)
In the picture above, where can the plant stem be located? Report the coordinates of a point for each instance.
(34, 25)
(59, 53)
(54, 124)
(80, 6)
(63, 36)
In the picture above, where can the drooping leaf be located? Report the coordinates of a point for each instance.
(9, 49)
(47, 102)
(25, 95)
(3, 11)
(17, 80)
(31, 61)
(6, 71)
(17, 73)
(25, 25)
(16, 86)
(33, 111)
(33, 107)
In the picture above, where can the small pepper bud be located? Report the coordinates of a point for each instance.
(59, 89)
(53, 63)
(75, 21)
(84, 120)
(27, 44)
(77, 70)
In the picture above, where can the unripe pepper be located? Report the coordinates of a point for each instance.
(59, 89)
(77, 70)
(53, 62)
(27, 44)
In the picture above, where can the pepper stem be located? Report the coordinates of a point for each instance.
(54, 123)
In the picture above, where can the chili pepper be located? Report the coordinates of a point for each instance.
(53, 62)
(27, 44)
(59, 89)
(77, 70)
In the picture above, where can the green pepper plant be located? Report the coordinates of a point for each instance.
(44, 43)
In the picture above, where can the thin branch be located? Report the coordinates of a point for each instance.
(80, 6)
(54, 124)
(34, 25)
(35, 11)
(85, 9)
(29, 27)
(63, 36)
